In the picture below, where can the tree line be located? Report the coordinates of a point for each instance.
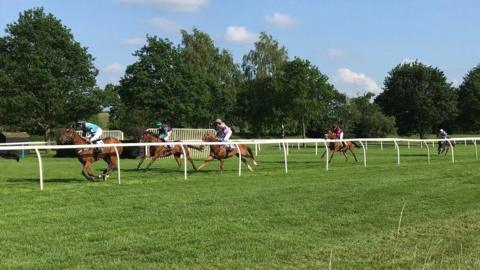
(47, 80)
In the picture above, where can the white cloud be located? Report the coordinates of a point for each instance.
(281, 20)
(360, 80)
(133, 41)
(337, 53)
(165, 24)
(408, 60)
(173, 5)
(114, 68)
(240, 34)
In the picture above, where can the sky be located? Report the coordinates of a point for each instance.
(355, 43)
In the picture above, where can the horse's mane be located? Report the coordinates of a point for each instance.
(209, 138)
(149, 132)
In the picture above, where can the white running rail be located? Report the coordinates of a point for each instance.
(283, 142)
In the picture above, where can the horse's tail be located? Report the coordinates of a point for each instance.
(356, 144)
(196, 147)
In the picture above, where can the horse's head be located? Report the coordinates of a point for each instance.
(209, 138)
(68, 136)
(148, 136)
(329, 134)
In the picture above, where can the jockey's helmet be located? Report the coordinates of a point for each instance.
(218, 121)
(441, 130)
(334, 126)
(158, 123)
(81, 122)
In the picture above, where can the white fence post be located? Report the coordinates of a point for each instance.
(398, 151)
(476, 153)
(428, 151)
(316, 148)
(364, 153)
(285, 150)
(239, 160)
(381, 145)
(327, 155)
(184, 162)
(118, 165)
(453, 154)
(256, 149)
(40, 168)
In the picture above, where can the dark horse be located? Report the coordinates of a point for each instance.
(157, 152)
(88, 156)
(338, 147)
(443, 146)
(220, 152)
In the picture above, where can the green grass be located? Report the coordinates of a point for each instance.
(346, 218)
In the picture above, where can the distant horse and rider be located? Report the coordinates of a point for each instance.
(444, 143)
(161, 151)
(221, 152)
(336, 133)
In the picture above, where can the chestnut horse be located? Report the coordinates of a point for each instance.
(87, 156)
(220, 152)
(338, 147)
(157, 152)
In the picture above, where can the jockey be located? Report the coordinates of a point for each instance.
(164, 132)
(442, 134)
(92, 132)
(223, 132)
(339, 132)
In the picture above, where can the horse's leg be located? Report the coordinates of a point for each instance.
(331, 156)
(152, 160)
(140, 162)
(352, 150)
(345, 155)
(189, 158)
(324, 152)
(85, 172)
(88, 170)
(244, 160)
(177, 159)
(222, 165)
(210, 158)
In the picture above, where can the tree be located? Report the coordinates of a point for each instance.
(256, 102)
(469, 101)
(368, 119)
(211, 78)
(419, 98)
(153, 88)
(303, 95)
(47, 79)
(266, 59)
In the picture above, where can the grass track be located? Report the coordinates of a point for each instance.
(347, 217)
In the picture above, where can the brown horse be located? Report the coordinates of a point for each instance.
(157, 152)
(87, 156)
(338, 147)
(220, 152)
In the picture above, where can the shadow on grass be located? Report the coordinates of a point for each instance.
(50, 180)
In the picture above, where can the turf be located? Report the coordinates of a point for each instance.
(344, 218)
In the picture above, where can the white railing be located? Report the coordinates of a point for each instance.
(283, 142)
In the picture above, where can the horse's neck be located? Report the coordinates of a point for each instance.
(77, 139)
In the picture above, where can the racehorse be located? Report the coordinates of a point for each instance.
(88, 156)
(443, 146)
(338, 147)
(157, 152)
(220, 152)
(10, 154)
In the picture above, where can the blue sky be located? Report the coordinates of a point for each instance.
(354, 42)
